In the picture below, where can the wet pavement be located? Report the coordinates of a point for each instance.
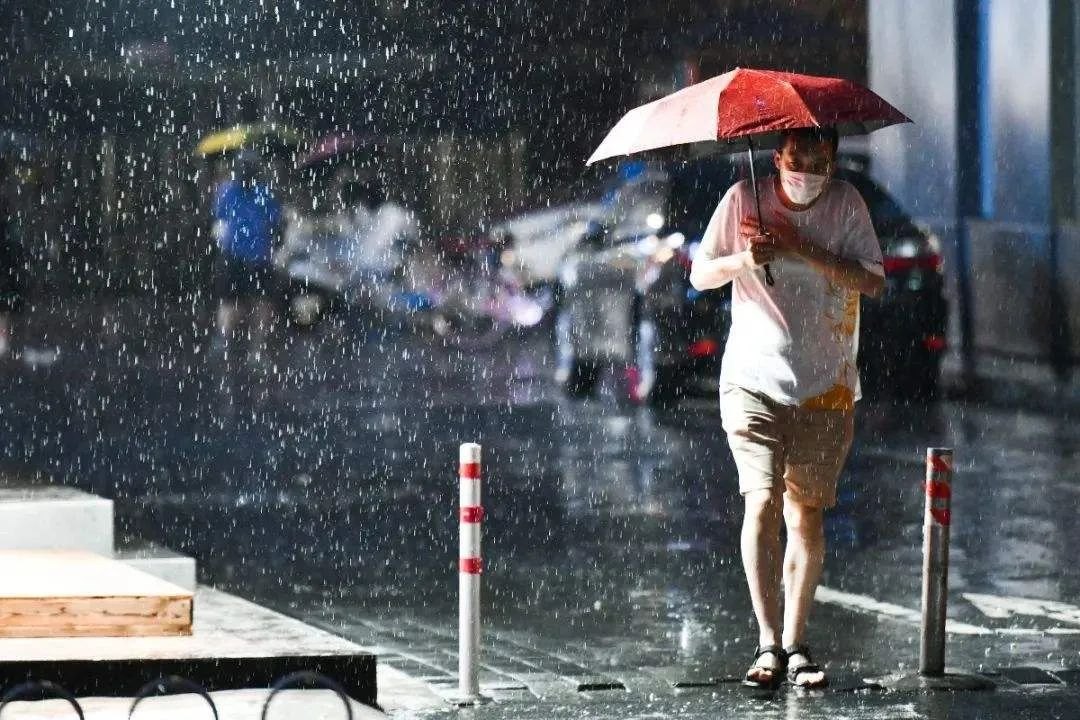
(323, 483)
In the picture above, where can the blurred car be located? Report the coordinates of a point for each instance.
(625, 298)
(902, 334)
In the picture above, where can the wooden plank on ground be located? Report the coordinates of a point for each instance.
(68, 593)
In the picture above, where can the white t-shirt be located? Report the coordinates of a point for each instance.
(797, 340)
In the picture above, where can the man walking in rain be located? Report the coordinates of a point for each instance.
(789, 380)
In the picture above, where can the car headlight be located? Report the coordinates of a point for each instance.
(907, 247)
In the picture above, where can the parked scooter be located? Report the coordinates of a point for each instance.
(476, 301)
(350, 257)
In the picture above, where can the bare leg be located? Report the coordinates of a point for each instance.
(225, 344)
(262, 314)
(762, 564)
(227, 317)
(803, 561)
(5, 334)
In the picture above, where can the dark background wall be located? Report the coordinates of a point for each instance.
(990, 162)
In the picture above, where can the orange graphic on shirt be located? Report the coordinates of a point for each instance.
(839, 396)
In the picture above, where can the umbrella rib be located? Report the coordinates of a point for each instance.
(802, 100)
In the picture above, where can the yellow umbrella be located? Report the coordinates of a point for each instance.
(247, 135)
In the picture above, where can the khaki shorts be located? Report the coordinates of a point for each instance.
(774, 443)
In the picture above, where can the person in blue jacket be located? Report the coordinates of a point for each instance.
(247, 227)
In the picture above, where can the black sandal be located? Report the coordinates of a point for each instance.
(808, 667)
(776, 673)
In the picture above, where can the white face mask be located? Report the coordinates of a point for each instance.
(802, 188)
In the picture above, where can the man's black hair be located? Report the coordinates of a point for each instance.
(826, 134)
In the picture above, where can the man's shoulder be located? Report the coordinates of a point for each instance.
(845, 191)
(227, 190)
(264, 193)
(743, 188)
(740, 192)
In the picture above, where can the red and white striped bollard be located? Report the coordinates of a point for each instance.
(936, 519)
(470, 566)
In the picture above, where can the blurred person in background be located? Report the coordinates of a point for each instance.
(247, 227)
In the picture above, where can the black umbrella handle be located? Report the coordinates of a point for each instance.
(769, 280)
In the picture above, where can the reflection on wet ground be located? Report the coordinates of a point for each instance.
(324, 482)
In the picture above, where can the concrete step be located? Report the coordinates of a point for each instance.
(55, 518)
(45, 517)
(156, 560)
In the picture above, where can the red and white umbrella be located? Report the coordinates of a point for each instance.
(744, 109)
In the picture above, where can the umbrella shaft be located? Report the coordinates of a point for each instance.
(753, 182)
(757, 201)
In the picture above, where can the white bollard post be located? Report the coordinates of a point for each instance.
(470, 566)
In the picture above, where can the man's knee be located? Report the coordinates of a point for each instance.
(805, 520)
(764, 505)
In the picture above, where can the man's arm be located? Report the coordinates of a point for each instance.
(841, 271)
(708, 273)
(712, 267)
(846, 273)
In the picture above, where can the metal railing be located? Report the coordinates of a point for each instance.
(176, 685)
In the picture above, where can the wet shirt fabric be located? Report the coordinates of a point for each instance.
(796, 341)
(248, 217)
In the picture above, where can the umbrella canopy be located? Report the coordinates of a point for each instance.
(329, 147)
(269, 134)
(741, 108)
(746, 108)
